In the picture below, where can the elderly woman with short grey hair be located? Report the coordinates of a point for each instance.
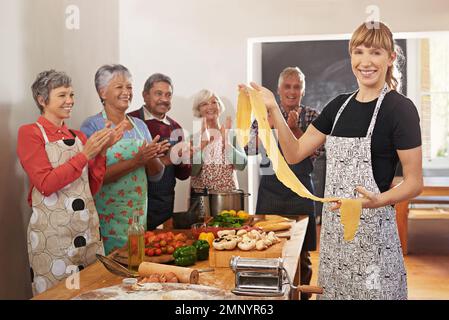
(219, 155)
(130, 162)
(63, 232)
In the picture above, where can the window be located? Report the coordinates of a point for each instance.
(435, 102)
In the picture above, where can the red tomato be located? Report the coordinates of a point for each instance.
(151, 239)
(149, 233)
(179, 244)
(180, 237)
(158, 252)
(170, 249)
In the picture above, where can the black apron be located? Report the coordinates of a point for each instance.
(161, 199)
(275, 198)
(161, 195)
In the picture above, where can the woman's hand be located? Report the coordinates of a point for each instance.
(164, 147)
(267, 95)
(97, 142)
(369, 199)
(147, 151)
(116, 135)
(164, 152)
(152, 150)
(335, 205)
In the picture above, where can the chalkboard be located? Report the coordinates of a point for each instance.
(326, 65)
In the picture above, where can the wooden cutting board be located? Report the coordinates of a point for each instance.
(221, 258)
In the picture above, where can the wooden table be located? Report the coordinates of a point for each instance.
(433, 186)
(96, 275)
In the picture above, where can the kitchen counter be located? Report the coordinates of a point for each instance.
(97, 276)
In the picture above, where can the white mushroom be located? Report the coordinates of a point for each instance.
(267, 242)
(260, 245)
(241, 232)
(255, 234)
(229, 244)
(247, 244)
(218, 244)
(222, 233)
(273, 238)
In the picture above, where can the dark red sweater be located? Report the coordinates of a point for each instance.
(156, 127)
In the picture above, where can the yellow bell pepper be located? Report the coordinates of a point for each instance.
(208, 236)
(243, 215)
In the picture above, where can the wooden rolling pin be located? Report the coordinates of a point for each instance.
(310, 289)
(184, 275)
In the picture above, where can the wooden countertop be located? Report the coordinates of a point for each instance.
(96, 276)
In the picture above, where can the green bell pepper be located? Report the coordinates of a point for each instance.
(185, 256)
(202, 249)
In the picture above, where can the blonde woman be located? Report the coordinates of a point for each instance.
(218, 156)
(365, 133)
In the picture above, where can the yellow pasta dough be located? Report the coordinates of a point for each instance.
(252, 102)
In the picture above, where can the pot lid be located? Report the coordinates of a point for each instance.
(226, 193)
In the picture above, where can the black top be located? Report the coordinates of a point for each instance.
(396, 128)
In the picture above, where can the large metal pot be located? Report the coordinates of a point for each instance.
(232, 200)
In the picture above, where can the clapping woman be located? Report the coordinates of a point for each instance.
(64, 169)
(131, 162)
(217, 154)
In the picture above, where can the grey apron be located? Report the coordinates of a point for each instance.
(275, 198)
(370, 266)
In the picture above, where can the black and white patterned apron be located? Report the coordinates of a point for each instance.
(371, 266)
(64, 229)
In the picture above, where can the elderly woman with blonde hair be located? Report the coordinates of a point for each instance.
(218, 155)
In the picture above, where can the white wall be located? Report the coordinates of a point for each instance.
(203, 43)
(34, 38)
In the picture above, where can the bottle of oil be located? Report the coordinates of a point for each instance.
(136, 244)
